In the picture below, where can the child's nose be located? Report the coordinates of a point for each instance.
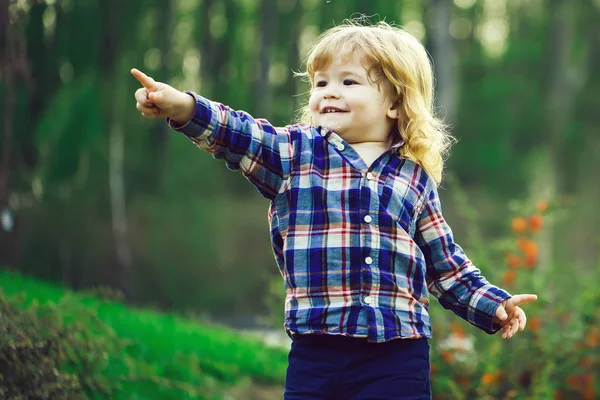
(331, 92)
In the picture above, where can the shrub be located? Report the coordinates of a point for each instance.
(46, 356)
(558, 354)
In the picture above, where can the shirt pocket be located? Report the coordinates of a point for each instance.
(403, 200)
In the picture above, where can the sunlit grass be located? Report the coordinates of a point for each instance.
(179, 354)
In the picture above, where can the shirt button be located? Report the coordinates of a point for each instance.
(369, 260)
(340, 147)
(367, 299)
(368, 218)
(370, 176)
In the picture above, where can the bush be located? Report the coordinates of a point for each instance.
(108, 350)
(558, 354)
(46, 356)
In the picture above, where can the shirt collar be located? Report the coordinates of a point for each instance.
(326, 132)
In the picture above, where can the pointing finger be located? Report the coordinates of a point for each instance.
(144, 79)
(523, 298)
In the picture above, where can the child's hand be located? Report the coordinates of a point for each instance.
(159, 100)
(510, 316)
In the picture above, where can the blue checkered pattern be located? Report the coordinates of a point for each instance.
(360, 248)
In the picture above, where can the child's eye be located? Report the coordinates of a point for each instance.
(349, 82)
(321, 84)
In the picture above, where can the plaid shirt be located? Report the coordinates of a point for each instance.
(360, 248)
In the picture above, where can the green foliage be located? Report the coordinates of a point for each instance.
(44, 355)
(68, 129)
(107, 349)
(198, 234)
(558, 354)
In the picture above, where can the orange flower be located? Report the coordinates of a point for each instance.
(519, 224)
(531, 260)
(528, 247)
(535, 223)
(512, 260)
(458, 330)
(489, 378)
(509, 277)
(593, 337)
(532, 249)
(522, 243)
(541, 206)
(447, 356)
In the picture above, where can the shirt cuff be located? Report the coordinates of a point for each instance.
(201, 121)
(483, 305)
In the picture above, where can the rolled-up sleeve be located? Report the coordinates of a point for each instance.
(262, 152)
(451, 276)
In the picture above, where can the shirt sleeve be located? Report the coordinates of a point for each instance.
(451, 276)
(262, 152)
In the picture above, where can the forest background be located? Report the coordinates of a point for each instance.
(92, 194)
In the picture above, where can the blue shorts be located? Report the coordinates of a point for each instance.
(330, 367)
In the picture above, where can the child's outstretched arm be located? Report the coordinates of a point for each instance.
(262, 152)
(457, 283)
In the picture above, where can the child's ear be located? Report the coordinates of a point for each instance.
(393, 112)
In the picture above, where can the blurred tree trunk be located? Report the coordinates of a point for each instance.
(14, 69)
(590, 243)
(214, 49)
(442, 52)
(585, 248)
(224, 51)
(290, 30)
(113, 107)
(7, 71)
(207, 60)
(263, 92)
(165, 70)
(560, 98)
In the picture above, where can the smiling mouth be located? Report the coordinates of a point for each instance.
(330, 110)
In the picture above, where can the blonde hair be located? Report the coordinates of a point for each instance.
(393, 54)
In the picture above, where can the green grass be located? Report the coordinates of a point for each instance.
(185, 358)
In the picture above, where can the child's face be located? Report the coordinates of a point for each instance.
(344, 100)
